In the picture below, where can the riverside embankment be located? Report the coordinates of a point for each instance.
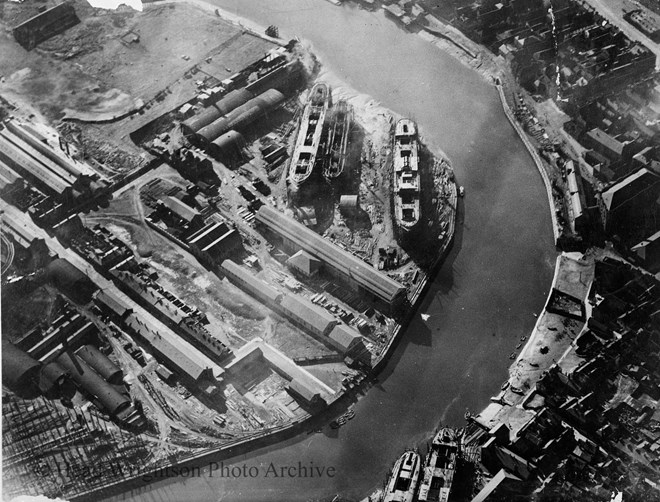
(494, 278)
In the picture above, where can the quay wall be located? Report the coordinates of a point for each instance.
(535, 156)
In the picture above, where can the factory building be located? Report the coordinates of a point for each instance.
(180, 209)
(47, 24)
(228, 146)
(300, 311)
(346, 340)
(306, 388)
(312, 318)
(187, 361)
(257, 288)
(100, 363)
(22, 151)
(110, 399)
(230, 102)
(344, 265)
(240, 117)
(300, 390)
(214, 242)
(112, 306)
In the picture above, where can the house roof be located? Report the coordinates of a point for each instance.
(364, 274)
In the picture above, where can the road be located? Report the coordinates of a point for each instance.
(613, 11)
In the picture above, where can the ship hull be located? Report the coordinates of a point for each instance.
(304, 158)
(406, 178)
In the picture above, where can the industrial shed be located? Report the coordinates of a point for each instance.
(304, 263)
(345, 339)
(300, 390)
(215, 241)
(70, 281)
(100, 363)
(86, 378)
(20, 372)
(183, 210)
(248, 282)
(229, 145)
(241, 116)
(45, 25)
(305, 314)
(348, 266)
(112, 305)
(231, 101)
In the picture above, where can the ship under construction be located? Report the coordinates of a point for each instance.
(338, 129)
(304, 158)
(405, 152)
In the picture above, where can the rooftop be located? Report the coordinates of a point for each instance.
(368, 277)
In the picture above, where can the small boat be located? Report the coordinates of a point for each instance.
(461, 191)
(425, 317)
(519, 345)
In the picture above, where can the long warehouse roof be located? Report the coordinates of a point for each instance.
(368, 277)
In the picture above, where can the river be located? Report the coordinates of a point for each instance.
(483, 299)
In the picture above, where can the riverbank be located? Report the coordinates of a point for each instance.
(552, 335)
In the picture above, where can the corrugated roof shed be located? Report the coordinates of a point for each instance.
(182, 210)
(15, 158)
(232, 100)
(304, 312)
(344, 337)
(299, 388)
(244, 279)
(180, 354)
(112, 302)
(365, 275)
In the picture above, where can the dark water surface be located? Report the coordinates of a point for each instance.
(483, 299)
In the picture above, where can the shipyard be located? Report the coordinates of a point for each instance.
(236, 272)
(214, 244)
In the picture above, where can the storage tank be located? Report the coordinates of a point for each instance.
(100, 363)
(86, 378)
(54, 381)
(20, 371)
(232, 100)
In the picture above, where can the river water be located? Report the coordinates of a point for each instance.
(482, 300)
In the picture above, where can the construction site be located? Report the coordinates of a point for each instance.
(171, 283)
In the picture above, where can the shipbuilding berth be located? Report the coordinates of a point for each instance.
(350, 267)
